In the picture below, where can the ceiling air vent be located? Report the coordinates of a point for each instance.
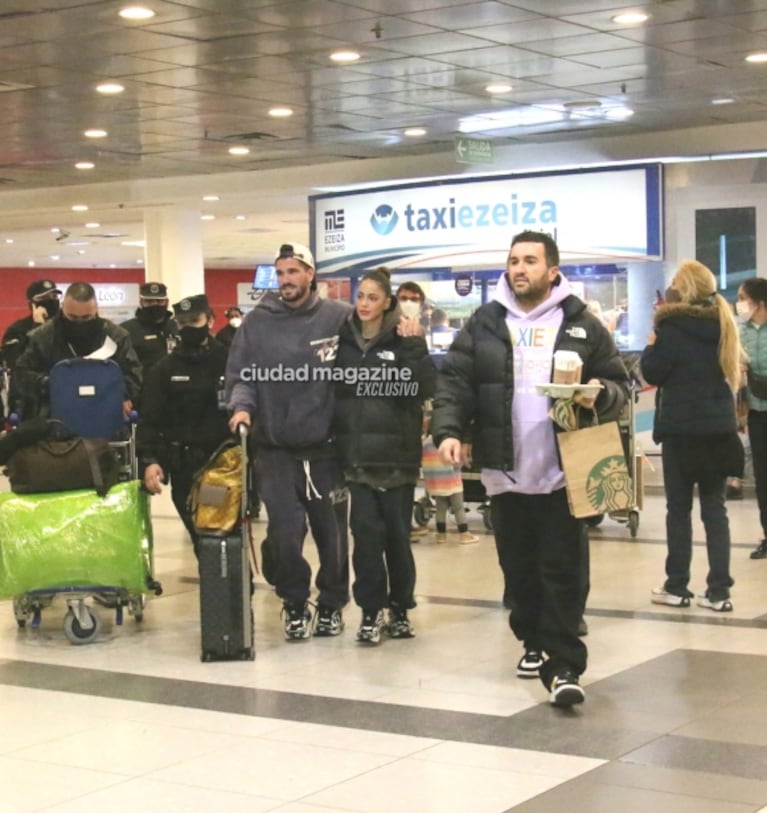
(256, 136)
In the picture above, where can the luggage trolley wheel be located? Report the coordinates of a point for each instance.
(76, 633)
(136, 605)
(21, 612)
(592, 522)
(484, 509)
(633, 521)
(422, 510)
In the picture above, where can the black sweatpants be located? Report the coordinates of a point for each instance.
(541, 551)
(384, 567)
(294, 491)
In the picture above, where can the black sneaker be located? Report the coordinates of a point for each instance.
(371, 627)
(565, 690)
(328, 622)
(529, 664)
(760, 551)
(399, 625)
(297, 621)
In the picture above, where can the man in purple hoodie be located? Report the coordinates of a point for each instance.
(486, 389)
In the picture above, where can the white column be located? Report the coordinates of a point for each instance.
(173, 250)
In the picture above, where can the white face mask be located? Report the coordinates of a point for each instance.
(410, 308)
(235, 321)
(744, 310)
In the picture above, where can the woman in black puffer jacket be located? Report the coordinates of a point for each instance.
(385, 375)
(694, 359)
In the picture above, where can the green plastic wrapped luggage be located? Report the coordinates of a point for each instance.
(75, 539)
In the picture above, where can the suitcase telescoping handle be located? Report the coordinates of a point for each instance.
(242, 434)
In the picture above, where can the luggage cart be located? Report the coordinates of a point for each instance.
(99, 548)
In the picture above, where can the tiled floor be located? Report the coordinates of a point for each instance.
(675, 717)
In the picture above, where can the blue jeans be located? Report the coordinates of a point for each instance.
(688, 460)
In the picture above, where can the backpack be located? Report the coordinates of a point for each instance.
(215, 500)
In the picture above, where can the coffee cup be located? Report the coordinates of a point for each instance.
(567, 367)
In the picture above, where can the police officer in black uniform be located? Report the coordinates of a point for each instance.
(183, 418)
(153, 331)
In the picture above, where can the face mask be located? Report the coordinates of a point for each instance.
(193, 336)
(153, 313)
(235, 321)
(744, 310)
(82, 332)
(410, 308)
(51, 306)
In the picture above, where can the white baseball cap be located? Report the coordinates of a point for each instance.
(300, 252)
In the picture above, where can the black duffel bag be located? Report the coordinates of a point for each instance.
(63, 465)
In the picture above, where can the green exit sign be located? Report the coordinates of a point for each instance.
(473, 150)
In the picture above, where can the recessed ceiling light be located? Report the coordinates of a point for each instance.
(280, 112)
(238, 150)
(211, 197)
(498, 87)
(137, 243)
(55, 257)
(80, 207)
(345, 56)
(582, 104)
(630, 18)
(55, 229)
(759, 57)
(619, 113)
(93, 225)
(9, 240)
(31, 263)
(415, 132)
(81, 251)
(723, 100)
(136, 13)
(139, 261)
(207, 217)
(110, 88)
(84, 165)
(95, 133)
(113, 265)
(239, 217)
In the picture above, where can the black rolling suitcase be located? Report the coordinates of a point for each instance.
(226, 615)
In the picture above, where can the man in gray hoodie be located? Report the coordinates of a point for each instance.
(486, 387)
(279, 379)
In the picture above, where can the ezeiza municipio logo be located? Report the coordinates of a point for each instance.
(384, 219)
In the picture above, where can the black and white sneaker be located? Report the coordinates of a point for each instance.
(399, 625)
(722, 605)
(297, 621)
(371, 627)
(565, 690)
(530, 664)
(328, 622)
(661, 596)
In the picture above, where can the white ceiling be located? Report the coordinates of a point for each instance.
(202, 75)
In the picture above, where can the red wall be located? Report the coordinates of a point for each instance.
(220, 286)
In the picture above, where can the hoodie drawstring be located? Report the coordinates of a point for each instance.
(310, 487)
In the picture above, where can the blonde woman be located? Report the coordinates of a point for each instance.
(694, 359)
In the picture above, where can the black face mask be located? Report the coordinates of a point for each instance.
(52, 307)
(83, 332)
(193, 336)
(152, 314)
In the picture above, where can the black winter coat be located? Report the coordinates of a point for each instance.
(378, 422)
(475, 386)
(180, 403)
(693, 396)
